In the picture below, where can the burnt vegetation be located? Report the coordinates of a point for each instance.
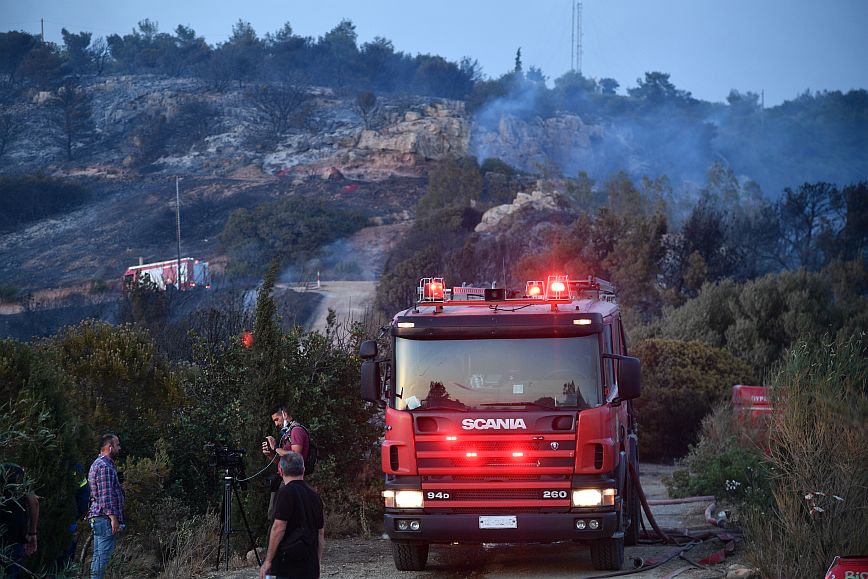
(32, 198)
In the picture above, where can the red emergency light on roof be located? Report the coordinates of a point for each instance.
(558, 287)
(431, 289)
(535, 289)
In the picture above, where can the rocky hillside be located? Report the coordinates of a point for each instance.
(146, 131)
(230, 150)
(231, 134)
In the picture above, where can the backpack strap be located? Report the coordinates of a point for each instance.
(295, 424)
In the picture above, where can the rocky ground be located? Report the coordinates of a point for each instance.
(352, 558)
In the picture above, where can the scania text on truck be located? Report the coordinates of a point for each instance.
(507, 420)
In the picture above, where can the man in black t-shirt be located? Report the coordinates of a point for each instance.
(297, 505)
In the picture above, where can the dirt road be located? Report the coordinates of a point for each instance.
(349, 299)
(359, 558)
(367, 250)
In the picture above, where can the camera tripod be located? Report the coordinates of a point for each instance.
(230, 487)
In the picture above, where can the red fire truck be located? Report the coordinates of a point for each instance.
(508, 420)
(193, 273)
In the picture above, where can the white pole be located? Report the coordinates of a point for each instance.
(178, 224)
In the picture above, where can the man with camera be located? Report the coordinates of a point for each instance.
(293, 438)
(297, 537)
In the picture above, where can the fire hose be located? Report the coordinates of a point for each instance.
(683, 539)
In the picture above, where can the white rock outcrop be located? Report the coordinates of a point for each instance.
(536, 200)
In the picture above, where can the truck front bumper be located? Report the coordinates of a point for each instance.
(529, 528)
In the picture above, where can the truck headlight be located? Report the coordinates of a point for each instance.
(408, 499)
(594, 497)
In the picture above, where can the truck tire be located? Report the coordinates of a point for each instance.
(632, 506)
(607, 554)
(409, 556)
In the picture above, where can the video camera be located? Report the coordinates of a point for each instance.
(229, 459)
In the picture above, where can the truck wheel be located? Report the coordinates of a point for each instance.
(608, 554)
(409, 556)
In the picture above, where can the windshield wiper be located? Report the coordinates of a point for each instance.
(527, 403)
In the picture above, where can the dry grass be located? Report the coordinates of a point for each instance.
(130, 559)
(818, 457)
(194, 546)
(341, 523)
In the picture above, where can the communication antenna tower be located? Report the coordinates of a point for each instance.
(579, 37)
(573, 39)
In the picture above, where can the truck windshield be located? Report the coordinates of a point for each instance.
(485, 374)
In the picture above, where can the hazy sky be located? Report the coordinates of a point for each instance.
(708, 46)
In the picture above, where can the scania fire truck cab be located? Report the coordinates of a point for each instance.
(507, 419)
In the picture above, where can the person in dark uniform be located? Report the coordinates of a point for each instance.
(297, 506)
(19, 519)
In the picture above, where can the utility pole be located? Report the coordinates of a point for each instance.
(42, 29)
(178, 225)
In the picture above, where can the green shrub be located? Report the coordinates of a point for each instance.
(681, 383)
(453, 182)
(494, 165)
(726, 463)
(291, 231)
(818, 451)
(120, 383)
(39, 431)
(757, 321)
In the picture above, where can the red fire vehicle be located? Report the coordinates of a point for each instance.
(193, 273)
(508, 420)
(753, 411)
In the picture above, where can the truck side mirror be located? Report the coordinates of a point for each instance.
(630, 378)
(368, 350)
(371, 382)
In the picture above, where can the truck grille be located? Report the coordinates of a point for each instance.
(495, 465)
(495, 494)
(495, 446)
(496, 473)
(498, 478)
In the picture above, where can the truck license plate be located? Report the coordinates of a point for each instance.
(498, 523)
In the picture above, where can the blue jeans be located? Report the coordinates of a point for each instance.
(103, 546)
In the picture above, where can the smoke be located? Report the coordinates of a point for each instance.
(532, 128)
(344, 259)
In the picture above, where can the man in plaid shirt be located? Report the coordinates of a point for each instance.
(106, 503)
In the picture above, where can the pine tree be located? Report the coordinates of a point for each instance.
(267, 383)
